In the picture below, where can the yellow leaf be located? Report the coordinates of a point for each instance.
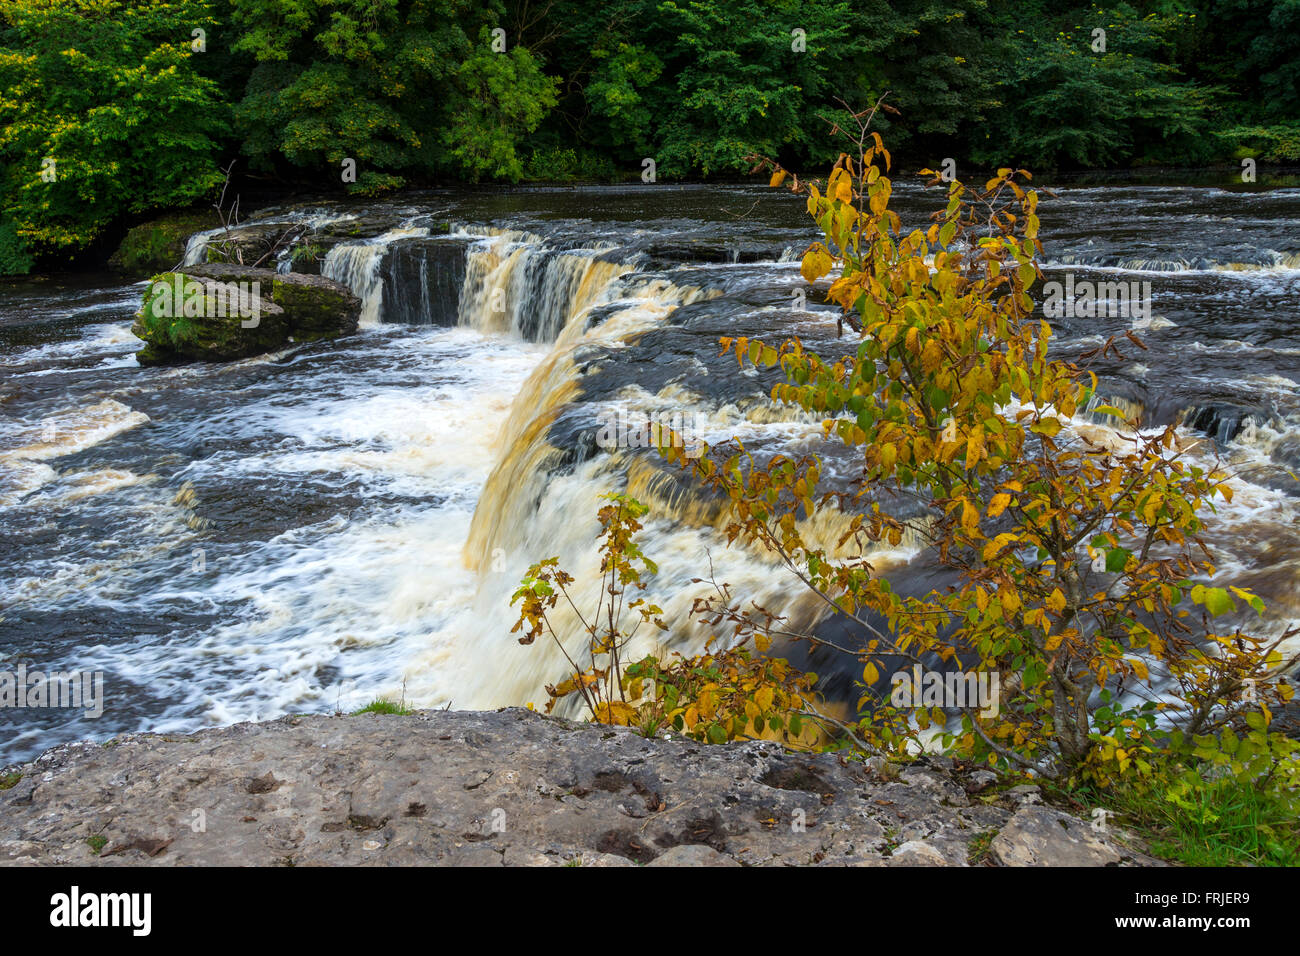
(1056, 601)
(999, 504)
(816, 263)
(931, 356)
(615, 712)
(997, 544)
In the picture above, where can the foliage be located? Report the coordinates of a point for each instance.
(162, 324)
(159, 244)
(557, 164)
(731, 694)
(1217, 800)
(400, 88)
(1077, 105)
(307, 252)
(497, 99)
(617, 93)
(104, 114)
(14, 257)
(739, 85)
(1077, 563)
(1274, 144)
(978, 850)
(600, 683)
(413, 90)
(381, 706)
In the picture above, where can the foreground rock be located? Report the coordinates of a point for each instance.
(510, 787)
(220, 312)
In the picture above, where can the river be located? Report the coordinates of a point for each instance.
(309, 530)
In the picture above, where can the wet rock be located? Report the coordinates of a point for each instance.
(497, 788)
(253, 244)
(422, 281)
(220, 312)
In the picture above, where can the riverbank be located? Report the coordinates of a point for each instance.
(514, 788)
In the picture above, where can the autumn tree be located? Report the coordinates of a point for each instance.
(1081, 577)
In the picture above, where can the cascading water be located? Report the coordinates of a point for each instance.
(356, 265)
(309, 530)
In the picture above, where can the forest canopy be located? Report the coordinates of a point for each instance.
(111, 110)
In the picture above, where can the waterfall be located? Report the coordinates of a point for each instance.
(196, 247)
(537, 503)
(540, 497)
(356, 265)
(515, 283)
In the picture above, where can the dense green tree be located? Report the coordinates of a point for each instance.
(701, 85)
(133, 119)
(495, 99)
(1095, 87)
(398, 86)
(103, 113)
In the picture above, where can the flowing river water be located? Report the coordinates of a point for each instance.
(309, 530)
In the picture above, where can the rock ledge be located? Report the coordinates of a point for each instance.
(511, 787)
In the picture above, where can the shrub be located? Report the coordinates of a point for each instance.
(730, 694)
(1080, 578)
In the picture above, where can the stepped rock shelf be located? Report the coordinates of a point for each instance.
(511, 787)
(288, 308)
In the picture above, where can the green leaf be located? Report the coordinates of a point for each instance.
(1218, 601)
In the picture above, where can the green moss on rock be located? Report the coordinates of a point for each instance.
(160, 243)
(205, 321)
(192, 315)
(317, 310)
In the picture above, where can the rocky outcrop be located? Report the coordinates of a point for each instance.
(513, 788)
(219, 312)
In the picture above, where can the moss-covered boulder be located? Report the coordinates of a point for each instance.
(159, 244)
(219, 312)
